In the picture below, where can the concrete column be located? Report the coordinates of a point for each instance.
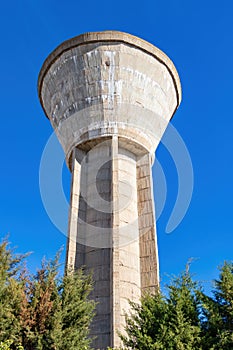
(71, 250)
(149, 264)
(108, 236)
(114, 263)
(129, 262)
(125, 266)
(94, 234)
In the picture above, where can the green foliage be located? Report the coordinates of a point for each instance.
(45, 312)
(41, 308)
(218, 312)
(6, 345)
(41, 311)
(10, 293)
(186, 318)
(77, 311)
(166, 322)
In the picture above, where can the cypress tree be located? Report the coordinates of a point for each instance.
(166, 322)
(10, 294)
(218, 312)
(43, 311)
(77, 310)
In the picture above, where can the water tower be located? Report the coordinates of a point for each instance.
(109, 97)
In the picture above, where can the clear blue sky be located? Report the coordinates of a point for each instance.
(198, 37)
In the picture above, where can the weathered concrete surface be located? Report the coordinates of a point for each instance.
(108, 82)
(109, 97)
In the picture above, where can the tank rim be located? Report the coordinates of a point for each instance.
(110, 36)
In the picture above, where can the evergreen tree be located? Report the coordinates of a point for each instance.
(43, 312)
(77, 311)
(217, 321)
(184, 328)
(56, 314)
(40, 315)
(10, 294)
(166, 323)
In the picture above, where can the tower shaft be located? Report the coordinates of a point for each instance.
(116, 242)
